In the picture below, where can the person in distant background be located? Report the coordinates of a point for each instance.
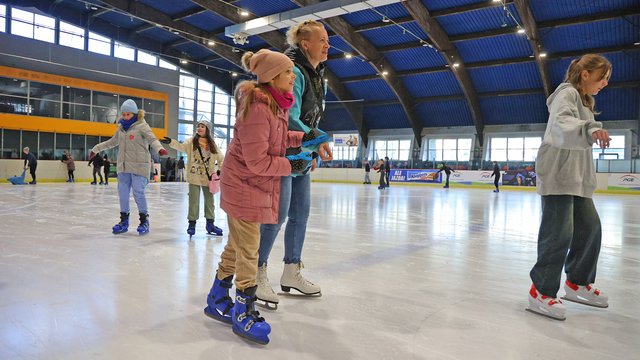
(71, 166)
(97, 166)
(106, 165)
(447, 170)
(31, 163)
(367, 170)
(496, 173)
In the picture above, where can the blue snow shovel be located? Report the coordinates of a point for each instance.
(19, 179)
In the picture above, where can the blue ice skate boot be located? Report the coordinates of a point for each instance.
(246, 320)
(143, 228)
(212, 229)
(219, 304)
(191, 229)
(123, 225)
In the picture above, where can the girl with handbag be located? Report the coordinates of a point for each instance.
(203, 161)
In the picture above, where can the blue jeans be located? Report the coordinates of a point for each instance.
(128, 181)
(569, 223)
(295, 201)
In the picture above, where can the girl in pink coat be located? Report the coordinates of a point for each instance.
(250, 186)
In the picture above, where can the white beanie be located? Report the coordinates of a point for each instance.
(206, 123)
(129, 106)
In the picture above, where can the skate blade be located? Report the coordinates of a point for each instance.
(222, 320)
(301, 294)
(545, 315)
(578, 301)
(269, 305)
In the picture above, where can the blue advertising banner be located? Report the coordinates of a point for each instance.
(419, 176)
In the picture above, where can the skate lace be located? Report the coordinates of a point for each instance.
(299, 275)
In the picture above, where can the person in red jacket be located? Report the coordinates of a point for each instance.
(250, 185)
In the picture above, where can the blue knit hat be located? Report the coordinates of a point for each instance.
(129, 106)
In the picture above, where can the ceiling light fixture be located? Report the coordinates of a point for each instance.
(234, 74)
(455, 64)
(183, 61)
(521, 31)
(385, 73)
(348, 56)
(211, 43)
(543, 54)
(385, 19)
(243, 12)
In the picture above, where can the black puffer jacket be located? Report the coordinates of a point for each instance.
(311, 112)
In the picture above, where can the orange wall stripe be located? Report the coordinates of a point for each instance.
(65, 126)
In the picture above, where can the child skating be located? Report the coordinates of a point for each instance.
(566, 182)
(133, 138)
(250, 183)
(204, 159)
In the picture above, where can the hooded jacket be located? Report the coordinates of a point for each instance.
(196, 173)
(254, 163)
(133, 147)
(309, 91)
(564, 165)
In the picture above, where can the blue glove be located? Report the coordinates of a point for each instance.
(314, 138)
(301, 162)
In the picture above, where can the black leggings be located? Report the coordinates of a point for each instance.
(32, 171)
(496, 181)
(70, 173)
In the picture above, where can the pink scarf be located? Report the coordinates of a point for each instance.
(285, 101)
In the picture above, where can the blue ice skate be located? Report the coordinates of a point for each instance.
(219, 304)
(191, 229)
(123, 225)
(246, 320)
(212, 229)
(143, 228)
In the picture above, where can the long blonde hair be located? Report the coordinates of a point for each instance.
(590, 63)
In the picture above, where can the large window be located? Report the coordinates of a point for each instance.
(3, 18)
(166, 65)
(45, 149)
(124, 52)
(99, 44)
(71, 36)
(344, 152)
(198, 98)
(615, 151)
(11, 144)
(44, 99)
(34, 26)
(514, 148)
(147, 58)
(447, 149)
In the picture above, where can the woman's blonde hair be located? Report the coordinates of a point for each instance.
(301, 31)
(590, 63)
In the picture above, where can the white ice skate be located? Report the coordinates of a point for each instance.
(587, 295)
(545, 305)
(293, 279)
(267, 298)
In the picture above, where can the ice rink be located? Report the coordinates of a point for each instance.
(412, 272)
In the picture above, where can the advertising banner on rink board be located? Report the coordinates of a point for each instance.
(345, 139)
(432, 176)
(624, 182)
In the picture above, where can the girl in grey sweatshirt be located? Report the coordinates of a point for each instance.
(566, 182)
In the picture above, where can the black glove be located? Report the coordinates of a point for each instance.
(218, 172)
(166, 140)
(301, 162)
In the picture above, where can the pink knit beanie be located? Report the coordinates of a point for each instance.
(267, 64)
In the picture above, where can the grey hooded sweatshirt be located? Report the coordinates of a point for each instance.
(564, 165)
(133, 147)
